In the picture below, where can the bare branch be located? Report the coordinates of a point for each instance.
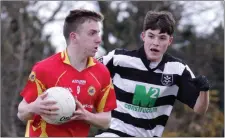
(54, 13)
(33, 2)
(58, 19)
(42, 7)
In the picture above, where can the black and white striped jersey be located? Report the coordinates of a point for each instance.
(145, 96)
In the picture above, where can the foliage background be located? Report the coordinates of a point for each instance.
(24, 42)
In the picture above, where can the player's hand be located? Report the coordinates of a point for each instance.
(201, 83)
(80, 113)
(42, 106)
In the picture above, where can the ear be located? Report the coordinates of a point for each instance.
(72, 36)
(143, 36)
(170, 40)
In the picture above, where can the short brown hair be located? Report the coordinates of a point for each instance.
(163, 20)
(78, 17)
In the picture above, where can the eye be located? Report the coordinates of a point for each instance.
(91, 33)
(162, 38)
(151, 36)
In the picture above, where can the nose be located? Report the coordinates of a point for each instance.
(98, 39)
(156, 41)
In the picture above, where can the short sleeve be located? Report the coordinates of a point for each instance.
(106, 100)
(34, 85)
(187, 93)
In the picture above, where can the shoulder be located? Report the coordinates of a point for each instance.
(181, 65)
(120, 51)
(117, 55)
(99, 67)
(47, 63)
(101, 72)
(174, 65)
(170, 58)
(125, 52)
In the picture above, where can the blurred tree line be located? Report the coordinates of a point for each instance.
(23, 43)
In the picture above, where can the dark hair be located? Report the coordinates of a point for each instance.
(163, 20)
(78, 17)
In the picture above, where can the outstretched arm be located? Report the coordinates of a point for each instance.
(202, 103)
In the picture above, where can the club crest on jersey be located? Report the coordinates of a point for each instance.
(91, 90)
(167, 79)
(32, 76)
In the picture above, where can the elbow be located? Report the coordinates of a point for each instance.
(201, 110)
(20, 117)
(202, 103)
(107, 121)
(19, 114)
(106, 125)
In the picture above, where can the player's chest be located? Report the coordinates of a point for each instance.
(83, 85)
(148, 77)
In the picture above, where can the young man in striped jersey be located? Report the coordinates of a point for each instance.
(147, 82)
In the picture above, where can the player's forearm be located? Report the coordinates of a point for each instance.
(101, 120)
(202, 103)
(24, 112)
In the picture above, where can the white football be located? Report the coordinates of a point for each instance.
(65, 103)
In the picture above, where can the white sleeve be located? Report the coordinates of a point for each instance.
(105, 59)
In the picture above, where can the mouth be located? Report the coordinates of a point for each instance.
(96, 49)
(154, 50)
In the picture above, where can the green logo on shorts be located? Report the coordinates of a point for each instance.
(143, 98)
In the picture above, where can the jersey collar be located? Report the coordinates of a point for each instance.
(90, 62)
(146, 62)
(66, 60)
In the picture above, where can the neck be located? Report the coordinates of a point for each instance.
(77, 58)
(156, 61)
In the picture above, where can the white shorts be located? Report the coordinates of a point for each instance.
(107, 134)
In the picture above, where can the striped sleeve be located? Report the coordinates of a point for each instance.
(34, 86)
(187, 93)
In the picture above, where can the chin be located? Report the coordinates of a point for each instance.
(154, 58)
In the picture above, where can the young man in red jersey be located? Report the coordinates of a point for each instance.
(76, 69)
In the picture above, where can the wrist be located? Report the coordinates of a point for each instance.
(204, 91)
(89, 116)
